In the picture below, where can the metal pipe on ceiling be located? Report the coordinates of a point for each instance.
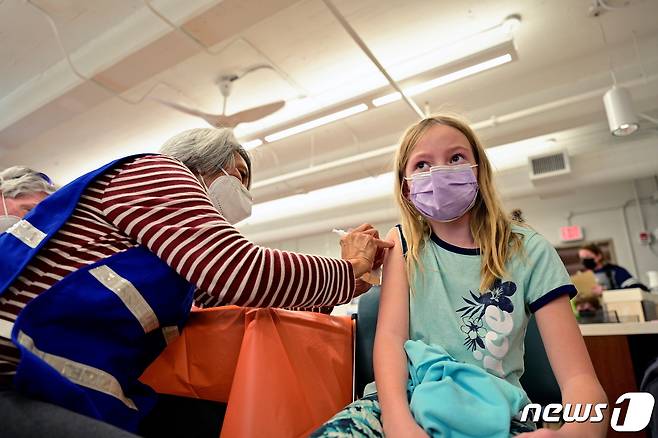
(484, 124)
(362, 45)
(336, 217)
(201, 45)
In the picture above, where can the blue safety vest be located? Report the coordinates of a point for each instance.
(85, 341)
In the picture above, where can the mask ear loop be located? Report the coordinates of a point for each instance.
(238, 184)
(4, 203)
(202, 182)
(2, 194)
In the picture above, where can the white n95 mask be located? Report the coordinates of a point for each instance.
(7, 220)
(230, 198)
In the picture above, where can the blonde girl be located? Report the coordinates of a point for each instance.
(464, 277)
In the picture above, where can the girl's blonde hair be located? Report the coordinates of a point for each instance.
(490, 226)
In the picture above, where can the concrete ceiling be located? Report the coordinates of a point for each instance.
(55, 122)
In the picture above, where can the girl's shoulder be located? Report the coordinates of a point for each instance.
(533, 243)
(527, 234)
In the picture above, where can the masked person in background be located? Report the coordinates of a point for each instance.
(609, 276)
(21, 189)
(102, 274)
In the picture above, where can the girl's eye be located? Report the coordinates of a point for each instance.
(423, 165)
(456, 158)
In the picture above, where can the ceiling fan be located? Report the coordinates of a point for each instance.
(225, 83)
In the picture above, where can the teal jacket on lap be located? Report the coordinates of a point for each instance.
(455, 399)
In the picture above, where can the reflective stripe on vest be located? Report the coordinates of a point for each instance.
(629, 282)
(27, 233)
(5, 328)
(79, 373)
(170, 333)
(130, 296)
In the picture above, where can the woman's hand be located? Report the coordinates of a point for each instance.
(361, 287)
(363, 248)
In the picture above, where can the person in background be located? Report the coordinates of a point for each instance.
(21, 188)
(587, 306)
(609, 276)
(102, 274)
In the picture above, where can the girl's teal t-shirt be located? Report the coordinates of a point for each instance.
(483, 328)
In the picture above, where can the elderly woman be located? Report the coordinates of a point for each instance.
(21, 189)
(102, 274)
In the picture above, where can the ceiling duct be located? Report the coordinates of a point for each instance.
(548, 166)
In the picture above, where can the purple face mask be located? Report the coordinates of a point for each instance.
(444, 193)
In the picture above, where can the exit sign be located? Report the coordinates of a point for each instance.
(572, 233)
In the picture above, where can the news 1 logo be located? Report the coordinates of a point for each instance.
(639, 411)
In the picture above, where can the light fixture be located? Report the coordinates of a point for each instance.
(356, 191)
(317, 122)
(511, 23)
(442, 65)
(444, 79)
(388, 150)
(367, 189)
(617, 100)
(619, 109)
(251, 144)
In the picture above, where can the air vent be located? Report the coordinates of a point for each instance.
(548, 165)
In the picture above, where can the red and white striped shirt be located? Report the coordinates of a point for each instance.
(157, 202)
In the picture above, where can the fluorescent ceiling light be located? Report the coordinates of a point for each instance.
(445, 79)
(502, 157)
(325, 166)
(481, 46)
(251, 144)
(358, 191)
(511, 23)
(317, 122)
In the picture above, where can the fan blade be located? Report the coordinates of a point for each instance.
(256, 113)
(213, 119)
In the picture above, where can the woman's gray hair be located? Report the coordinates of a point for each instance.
(206, 150)
(16, 181)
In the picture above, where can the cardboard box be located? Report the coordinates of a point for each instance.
(631, 303)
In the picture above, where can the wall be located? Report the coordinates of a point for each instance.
(600, 210)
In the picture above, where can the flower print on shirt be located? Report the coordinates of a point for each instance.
(497, 296)
(487, 321)
(474, 332)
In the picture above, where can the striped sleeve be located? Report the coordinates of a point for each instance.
(158, 202)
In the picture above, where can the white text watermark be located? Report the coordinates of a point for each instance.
(637, 417)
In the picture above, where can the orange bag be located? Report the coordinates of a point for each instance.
(283, 373)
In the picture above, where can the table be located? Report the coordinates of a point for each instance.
(282, 373)
(620, 353)
(622, 328)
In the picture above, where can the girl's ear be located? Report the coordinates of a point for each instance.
(405, 189)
